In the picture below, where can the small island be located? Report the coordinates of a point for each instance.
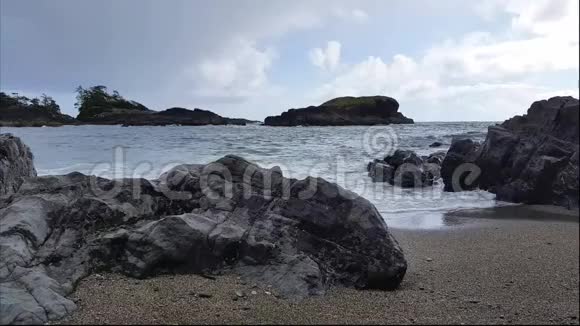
(344, 111)
(97, 106)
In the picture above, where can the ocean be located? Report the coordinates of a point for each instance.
(338, 154)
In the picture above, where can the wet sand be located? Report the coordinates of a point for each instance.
(483, 271)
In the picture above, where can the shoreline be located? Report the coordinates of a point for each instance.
(495, 271)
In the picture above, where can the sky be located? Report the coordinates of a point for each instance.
(445, 60)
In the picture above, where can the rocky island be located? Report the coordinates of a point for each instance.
(227, 217)
(530, 159)
(97, 106)
(344, 111)
(21, 111)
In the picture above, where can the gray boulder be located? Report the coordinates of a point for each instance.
(436, 158)
(379, 171)
(229, 216)
(48, 228)
(400, 157)
(457, 168)
(406, 169)
(15, 164)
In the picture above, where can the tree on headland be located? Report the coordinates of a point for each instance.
(45, 103)
(96, 100)
(21, 111)
(49, 104)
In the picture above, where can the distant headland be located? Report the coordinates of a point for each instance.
(97, 106)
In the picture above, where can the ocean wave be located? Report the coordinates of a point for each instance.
(469, 134)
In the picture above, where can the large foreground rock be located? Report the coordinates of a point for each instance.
(530, 159)
(344, 111)
(15, 164)
(300, 236)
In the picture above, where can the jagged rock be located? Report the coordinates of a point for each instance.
(300, 236)
(16, 164)
(406, 169)
(531, 159)
(436, 158)
(534, 158)
(381, 172)
(344, 111)
(401, 157)
(457, 169)
(436, 144)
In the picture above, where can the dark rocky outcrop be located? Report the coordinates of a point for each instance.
(172, 116)
(530, 159)
(300, 236)
(457, 169)
(406, 169)
(20, 111)
(436, 144)
(97, 106)
(436, 158)
(15, 164)
(534, 158)
(344, 111)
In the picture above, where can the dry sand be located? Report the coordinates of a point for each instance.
(487, 271)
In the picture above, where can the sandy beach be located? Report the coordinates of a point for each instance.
(483, 271)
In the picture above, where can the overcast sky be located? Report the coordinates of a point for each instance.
(442, 60)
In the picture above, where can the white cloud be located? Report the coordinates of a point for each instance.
(239, 70)
(356, 15)
(484, 102)
(481, 56)
(543, 37)
(360, 15)
(480, 71)
(538, 17)
(328, 58)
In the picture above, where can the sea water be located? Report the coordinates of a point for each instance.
(338, 154)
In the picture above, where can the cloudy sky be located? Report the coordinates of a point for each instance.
(442, 60)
